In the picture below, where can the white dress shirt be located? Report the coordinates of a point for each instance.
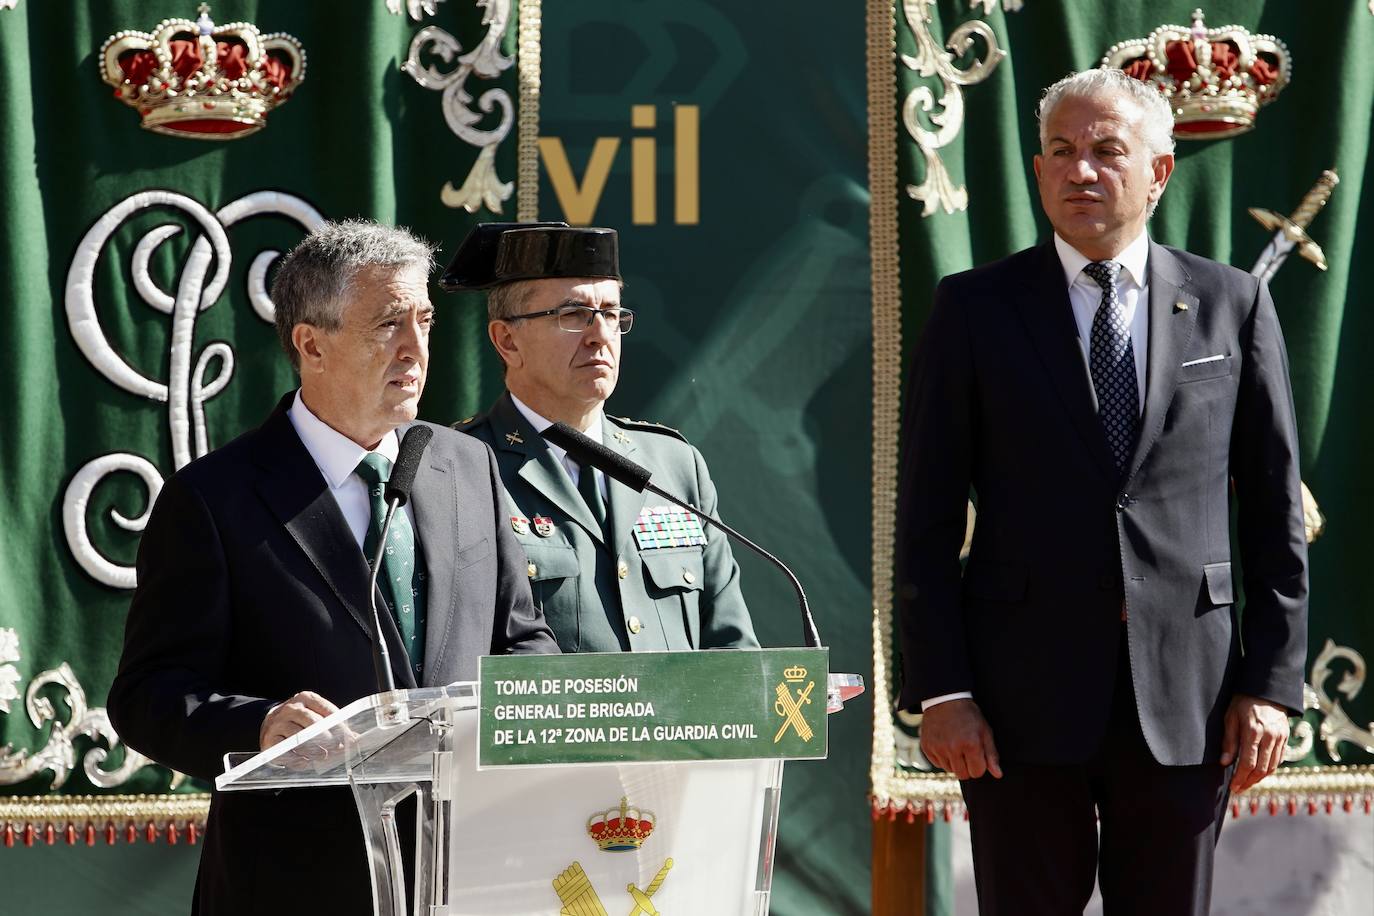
(572, 467)
(337, 457)
(1132, 288)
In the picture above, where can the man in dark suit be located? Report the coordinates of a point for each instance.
(249, 622)
(612, 569)
(1103, 397)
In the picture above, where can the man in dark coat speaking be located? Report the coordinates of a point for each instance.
(250, 620)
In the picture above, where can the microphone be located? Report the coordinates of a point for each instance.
(396, 494)
(590, 453)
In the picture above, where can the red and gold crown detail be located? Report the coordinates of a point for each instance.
(198, 79)
(620, 829)
(1216, 79)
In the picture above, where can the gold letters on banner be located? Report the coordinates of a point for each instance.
(931, 59)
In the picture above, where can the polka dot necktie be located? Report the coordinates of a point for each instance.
(402, 579)
(1111, 360)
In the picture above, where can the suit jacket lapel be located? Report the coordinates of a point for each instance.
(624, 504)
(434, 506)
(299, 496)
(1170, 330)
(519, 447)
(1048, 317)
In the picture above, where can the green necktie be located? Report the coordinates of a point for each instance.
(402, 579)
(591, 495)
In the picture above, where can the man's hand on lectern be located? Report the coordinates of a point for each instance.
(294, 714)
(956, 738)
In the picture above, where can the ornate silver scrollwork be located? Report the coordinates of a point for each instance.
(58, 755)
(482, 187)
(938, 189)
(9, 674)
(418, 9)
(1336, 725)
(1008, 6)
(191, 381)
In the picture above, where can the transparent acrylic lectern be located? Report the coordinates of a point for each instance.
(583, 839)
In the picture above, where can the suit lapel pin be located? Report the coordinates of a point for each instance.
(515, 438)
(1180, 306)
(519, 524)
(543, 526)
(620, 437)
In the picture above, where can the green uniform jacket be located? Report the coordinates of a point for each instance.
(617, 596)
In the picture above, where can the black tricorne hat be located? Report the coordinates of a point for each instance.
(496, 253)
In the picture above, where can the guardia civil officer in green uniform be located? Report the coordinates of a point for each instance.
(612, 569)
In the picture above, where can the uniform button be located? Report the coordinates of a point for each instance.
(635, 625)
(532, 570)
(622, 569)
(1123, 502)
(688, 577)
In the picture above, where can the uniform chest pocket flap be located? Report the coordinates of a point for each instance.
(551, 561)
(674, 570)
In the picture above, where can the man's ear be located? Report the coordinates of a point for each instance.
(1163, 167)
(1036, 161)
(308, 341)
(502, 338)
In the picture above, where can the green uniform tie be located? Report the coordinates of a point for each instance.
(402, 579)
(591, 495)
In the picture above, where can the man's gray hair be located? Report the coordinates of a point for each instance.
(311, 283)
(1157, 118)
(508, 299)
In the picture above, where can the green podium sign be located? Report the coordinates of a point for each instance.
(656, 707)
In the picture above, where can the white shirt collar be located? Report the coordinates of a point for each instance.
(336, 455)
(1132, 260)
(540, 424)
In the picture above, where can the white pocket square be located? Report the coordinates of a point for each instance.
(1205, 359)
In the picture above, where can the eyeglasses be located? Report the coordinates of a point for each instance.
(578, 318)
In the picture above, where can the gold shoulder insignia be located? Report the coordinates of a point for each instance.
(463, 425)
(647, 426)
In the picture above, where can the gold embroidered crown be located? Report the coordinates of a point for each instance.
(198, 79)
(620, 829)
(1215, 79)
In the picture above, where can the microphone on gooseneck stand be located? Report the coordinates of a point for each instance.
(396, 494)
(590, 453)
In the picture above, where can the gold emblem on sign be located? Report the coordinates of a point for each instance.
(621, 829)
(789, 706)
(579, 897)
